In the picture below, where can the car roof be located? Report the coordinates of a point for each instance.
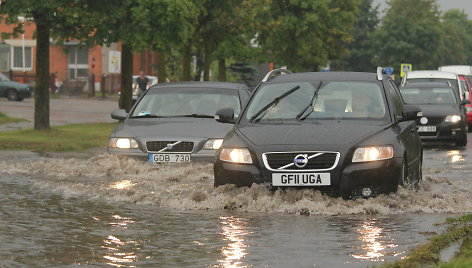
(331, 76)
(430, 74)
(458, 69)
(427, 85)
(198, 84)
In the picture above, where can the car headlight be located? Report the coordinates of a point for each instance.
(374, 153)
(453, 118)
(236, 155)
(123, 143)
(213, 144)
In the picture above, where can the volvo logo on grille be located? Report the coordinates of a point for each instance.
(169, 146)
(301, 160)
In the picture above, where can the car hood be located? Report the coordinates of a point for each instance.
(434, 110)
(15, 85)
(172, 127)
(332, 132)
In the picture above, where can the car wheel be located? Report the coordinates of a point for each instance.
(12, 94)
(463, 141)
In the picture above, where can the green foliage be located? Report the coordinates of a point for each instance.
(305, 35)
(409, 35)
(58, 139)
(456, 39)
(360, 51)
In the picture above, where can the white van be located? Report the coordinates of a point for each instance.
(434, 76)
(458, 69)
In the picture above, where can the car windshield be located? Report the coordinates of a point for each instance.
(428, 95)
(451, 82)
(3, 77)
(174, 102)
(340, 100)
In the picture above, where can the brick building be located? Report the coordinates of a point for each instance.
(69, 62)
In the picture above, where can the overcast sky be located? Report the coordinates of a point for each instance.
(465, 5)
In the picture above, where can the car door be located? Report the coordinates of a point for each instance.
(408, 134)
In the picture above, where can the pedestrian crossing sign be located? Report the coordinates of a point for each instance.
(405, 68)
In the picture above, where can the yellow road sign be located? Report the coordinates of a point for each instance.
(405, 68)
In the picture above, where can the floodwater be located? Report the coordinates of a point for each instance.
(118, 212)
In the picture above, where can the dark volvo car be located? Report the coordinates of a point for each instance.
(174, 122)
(342, 132)
(444, 115)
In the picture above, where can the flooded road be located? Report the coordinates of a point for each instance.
(112, 211)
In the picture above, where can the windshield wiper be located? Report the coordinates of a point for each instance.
(273, 102)
(196, 115)
(148, 116)
(311, 104)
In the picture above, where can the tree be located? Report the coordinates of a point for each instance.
(360, 51)
(456, 39)
(305, 35)
(160, 25)
(409, 35)
(223, 29)
(60, 19)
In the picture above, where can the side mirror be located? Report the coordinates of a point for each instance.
(465, 102)
(119, 114)
(225, 115)
(411, 112)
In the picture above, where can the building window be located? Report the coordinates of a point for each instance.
(78, 62)
(4, 58)
(20, 61)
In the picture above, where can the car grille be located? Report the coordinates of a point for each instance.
(181, 147)
(279, 161)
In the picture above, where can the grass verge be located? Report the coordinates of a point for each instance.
(428, 255)
(5, 119)
(78, 137)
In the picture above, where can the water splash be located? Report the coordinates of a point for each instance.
(190, 187)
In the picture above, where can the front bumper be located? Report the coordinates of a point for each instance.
(444, 132)
(381, 176)
(201, 156)
(25, 93)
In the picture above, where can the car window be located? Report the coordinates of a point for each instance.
(429, 95)
(180, 102)
(344, 100)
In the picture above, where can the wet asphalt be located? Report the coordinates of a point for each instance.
(63, 111)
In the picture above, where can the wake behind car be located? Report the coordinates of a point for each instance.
(444, 114)
(342, 132)
(13, 91)
(173, 122)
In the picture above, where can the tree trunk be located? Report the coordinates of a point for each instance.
(222, 70)
(207, 62)
(186, 62)
(200, 67)
(161, 67)
(126, 101)
(41, 98)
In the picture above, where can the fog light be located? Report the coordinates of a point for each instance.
(366, 192)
